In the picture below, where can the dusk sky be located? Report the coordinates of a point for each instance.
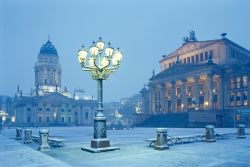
(143, 29)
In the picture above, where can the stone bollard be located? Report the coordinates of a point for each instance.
(43, 140)
(19, 132)
(161, 140)
(241, 131)
(210, 134)
(27, 136)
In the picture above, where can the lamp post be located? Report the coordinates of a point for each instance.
(2, 114)
(102, 61)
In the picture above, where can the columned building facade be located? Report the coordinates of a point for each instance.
(202, 76)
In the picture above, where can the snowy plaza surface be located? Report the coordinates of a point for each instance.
(134, 152)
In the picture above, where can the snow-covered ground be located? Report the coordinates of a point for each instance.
(135, 151)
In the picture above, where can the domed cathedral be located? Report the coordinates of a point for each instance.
(48, 104)
(47, 70)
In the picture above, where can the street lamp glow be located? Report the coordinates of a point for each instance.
(103, 60)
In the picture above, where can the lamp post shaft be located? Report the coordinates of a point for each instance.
(99, 98)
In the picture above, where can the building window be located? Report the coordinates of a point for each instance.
(232, 83)
(211, 53)
(189, 100)
(197, 58)
(245, 102)
(39, 119)
(185, 60)
(206, 55)
(45, 81)
(69, 110)
(62, 110)
(192, 59)
(201, 101)
(169, 65)
(86, 115)
(69, 119)
(47, 109)
(28, 109)
(238, 94)
(188, 60)
(178, 91)
(238, 82)
(62, 119)
(232, 99)
(28, 119)
(40, 109)
(245, 81)
(47, 119)
(201, 57)
(169, 105)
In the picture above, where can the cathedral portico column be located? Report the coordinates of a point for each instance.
(163, 97)
(196, 87)
(173, 97)
(210, 90)
(183, 94)
(220, 95)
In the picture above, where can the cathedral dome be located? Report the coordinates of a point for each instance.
(48, 48)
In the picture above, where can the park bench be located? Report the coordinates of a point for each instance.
(178, 139)
(187, 138)
(35, 138)
(223, 135)
(55, 141)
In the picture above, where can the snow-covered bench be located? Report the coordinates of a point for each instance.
(55, 141)
(223, 135)
(35, 138)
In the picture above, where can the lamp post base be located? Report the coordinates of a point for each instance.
(100, 145)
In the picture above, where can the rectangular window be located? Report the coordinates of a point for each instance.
(188, 59)
(185, 60)
(40, 109)
(169, 65)
(211, 54)
(47, 109)
(238, 79)
(169, 105)
(62, 119)
(201, 57)
(178, 91)
(40, 119)
(62, 110)
(28, 119)
(245, 81)
(197, 58)
(245, 102)
(69, 110)
(47, 119)
(232, 99)
(206, 56)
(238, 98)
(232, 83)
(86, 115)
(189, 102)
(69, 119)
(28, 109)
(192, 59)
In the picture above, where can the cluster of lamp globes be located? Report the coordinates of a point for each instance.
(101, 57)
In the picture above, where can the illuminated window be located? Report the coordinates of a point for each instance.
(232, 99)
(238, 94)
(232, 83)
(238, 82)
(245, 102)
(245, 78)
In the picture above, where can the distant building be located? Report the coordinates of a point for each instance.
(49, 104)
(208, 80)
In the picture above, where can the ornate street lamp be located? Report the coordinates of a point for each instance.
(102, 61)
(2, 115)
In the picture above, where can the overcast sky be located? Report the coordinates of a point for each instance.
(144, 30)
